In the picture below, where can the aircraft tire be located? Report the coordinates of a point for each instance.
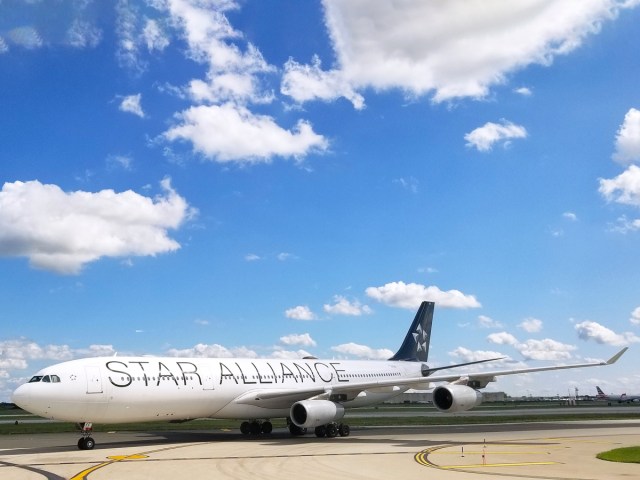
(321, 431)
(266, 427)
(344, 430)
(296, 430)
(86, 443)
(332, 430)
(245, 428)
(254, 428)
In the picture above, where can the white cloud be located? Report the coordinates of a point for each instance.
(26, 37)
(289, 355)
(119, 161)
(16, 354)
(154, 37)
(531, 325)
(624, 189)
(457, 48)
(362, 351)
(252, 257)
(589, 330)
(635, 316)
(343, 306)
(209, 33)
(627, 145)
(127, 33)
(62, 231)
(487, 322)
(570, 216)
(3, 46)
(220, 124)
(219, 132)
(131, 104)
(410, 295)
(303, 339)
(222, 87)
(309, 82)
(467, 355)
(83, 34)
(301, 312)
(524, 91)
(95, 351)
(410, 183)
(483, 138)
(503, 338)
(546, 349)
(202, 350)
(23, 349)
(624, 225)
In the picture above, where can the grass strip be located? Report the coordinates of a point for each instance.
(215, 424)
(623, 455)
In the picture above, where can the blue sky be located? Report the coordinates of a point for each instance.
(235, 178)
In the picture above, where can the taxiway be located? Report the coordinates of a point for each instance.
(550, 451)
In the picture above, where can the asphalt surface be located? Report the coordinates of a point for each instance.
(551, 451)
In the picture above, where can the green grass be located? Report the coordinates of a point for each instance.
(377, 420)
(623, 455)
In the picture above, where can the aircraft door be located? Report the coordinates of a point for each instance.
(207, 378)
(94, 379)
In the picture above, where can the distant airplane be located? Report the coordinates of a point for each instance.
(309, 392)
(623, 398)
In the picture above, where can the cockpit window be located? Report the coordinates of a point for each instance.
(45, 378)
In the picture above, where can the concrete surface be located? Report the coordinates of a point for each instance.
(550, 451)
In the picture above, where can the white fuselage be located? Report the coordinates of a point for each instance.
(127, 389)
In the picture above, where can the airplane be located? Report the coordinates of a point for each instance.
(309, 393)
(616, 398)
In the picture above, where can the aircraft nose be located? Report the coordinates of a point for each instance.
(21, 397)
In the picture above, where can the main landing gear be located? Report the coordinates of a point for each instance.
(256, 427)
(329, 430)
(86, 442)
(332, 430)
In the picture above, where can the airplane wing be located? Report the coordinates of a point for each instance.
(485, 377)
(285, 397)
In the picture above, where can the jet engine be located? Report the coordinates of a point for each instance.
(313, 413)
(456, 398)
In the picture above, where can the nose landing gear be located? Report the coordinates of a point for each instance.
(86, 442)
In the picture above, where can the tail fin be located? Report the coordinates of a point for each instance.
(415, 347)
(600, 392)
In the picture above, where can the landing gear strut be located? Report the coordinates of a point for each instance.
(86, 442)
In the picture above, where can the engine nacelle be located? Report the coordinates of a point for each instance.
(313, 413)
(456, 398)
